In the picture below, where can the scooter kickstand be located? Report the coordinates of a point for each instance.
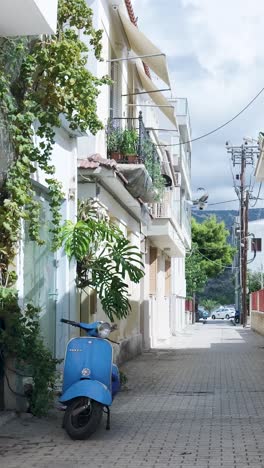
(108, 418)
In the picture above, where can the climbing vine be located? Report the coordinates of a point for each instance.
(42, 80)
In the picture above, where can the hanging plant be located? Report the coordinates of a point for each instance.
(41, 80)
(153, 167)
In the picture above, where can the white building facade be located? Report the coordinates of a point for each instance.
(256, 246)
(161, 229)
(126, 189)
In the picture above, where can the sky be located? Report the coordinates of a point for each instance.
(215, 57)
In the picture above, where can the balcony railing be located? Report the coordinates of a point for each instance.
(129, 142)
(167, 208)
(172, 208)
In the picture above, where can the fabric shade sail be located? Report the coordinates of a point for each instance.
(165, 106)
(141, 45)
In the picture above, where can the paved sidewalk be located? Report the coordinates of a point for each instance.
(198, 405)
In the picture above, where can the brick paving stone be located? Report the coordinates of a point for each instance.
(196, 402)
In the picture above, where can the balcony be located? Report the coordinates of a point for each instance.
(28, 17)
(182, 112)
(165, 230)
(130, 145)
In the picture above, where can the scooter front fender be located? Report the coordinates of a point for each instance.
(88, 388)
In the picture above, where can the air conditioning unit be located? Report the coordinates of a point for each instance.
(178, 179)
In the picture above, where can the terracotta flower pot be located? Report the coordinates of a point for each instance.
(116, 156)
(132, 158)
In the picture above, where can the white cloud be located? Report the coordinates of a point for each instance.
(215, 53)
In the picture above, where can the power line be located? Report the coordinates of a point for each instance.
(257, 199)
(220, 203)
(220, 126)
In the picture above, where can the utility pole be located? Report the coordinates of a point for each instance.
(244, 261)
(243, 155)
(243, 274)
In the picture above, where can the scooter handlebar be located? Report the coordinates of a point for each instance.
(70, 322)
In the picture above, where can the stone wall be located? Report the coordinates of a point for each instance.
(257, 322)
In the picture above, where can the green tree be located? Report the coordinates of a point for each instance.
(221, 288)
(210, 254)
(254, 280)
(196, 277)
(209, 304)
(210, 240)
(105, 258)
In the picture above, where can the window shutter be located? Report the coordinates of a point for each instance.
(115, 91)
(153, 270)
(167, 277)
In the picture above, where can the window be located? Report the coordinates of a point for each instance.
(256, 244)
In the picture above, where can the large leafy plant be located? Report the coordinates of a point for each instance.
(22, 340)
(42, 80)
(105, 258)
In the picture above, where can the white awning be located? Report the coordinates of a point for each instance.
(141, 45)
(165, 106)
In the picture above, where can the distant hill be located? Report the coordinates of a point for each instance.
(227, 215)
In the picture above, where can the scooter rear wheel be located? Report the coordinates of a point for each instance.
(81, 426)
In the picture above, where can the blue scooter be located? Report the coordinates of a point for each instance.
(90, 380)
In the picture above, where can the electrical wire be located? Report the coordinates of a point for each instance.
(220, 126)
(257, 198)
(220, 203)
(195, 250)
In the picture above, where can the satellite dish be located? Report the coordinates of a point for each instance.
(201, 199)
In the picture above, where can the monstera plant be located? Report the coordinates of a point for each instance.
(105, 258)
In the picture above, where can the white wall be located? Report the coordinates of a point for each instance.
(131, 228)
(256, 228)
(178, 315)
(64, 158)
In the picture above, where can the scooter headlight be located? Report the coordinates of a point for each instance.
(104, 329)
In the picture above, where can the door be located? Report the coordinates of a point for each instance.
(40, 277)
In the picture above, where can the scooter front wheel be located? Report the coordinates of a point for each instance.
(82, 417)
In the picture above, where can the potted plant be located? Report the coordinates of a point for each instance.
(129, 145)
(114, 140)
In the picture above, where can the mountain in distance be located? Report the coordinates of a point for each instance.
(227, 216)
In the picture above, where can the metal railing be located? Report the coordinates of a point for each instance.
(172, 208)
(167, 208)
(146, 150)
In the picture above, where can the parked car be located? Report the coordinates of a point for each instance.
(203, 314)
(223, 313)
